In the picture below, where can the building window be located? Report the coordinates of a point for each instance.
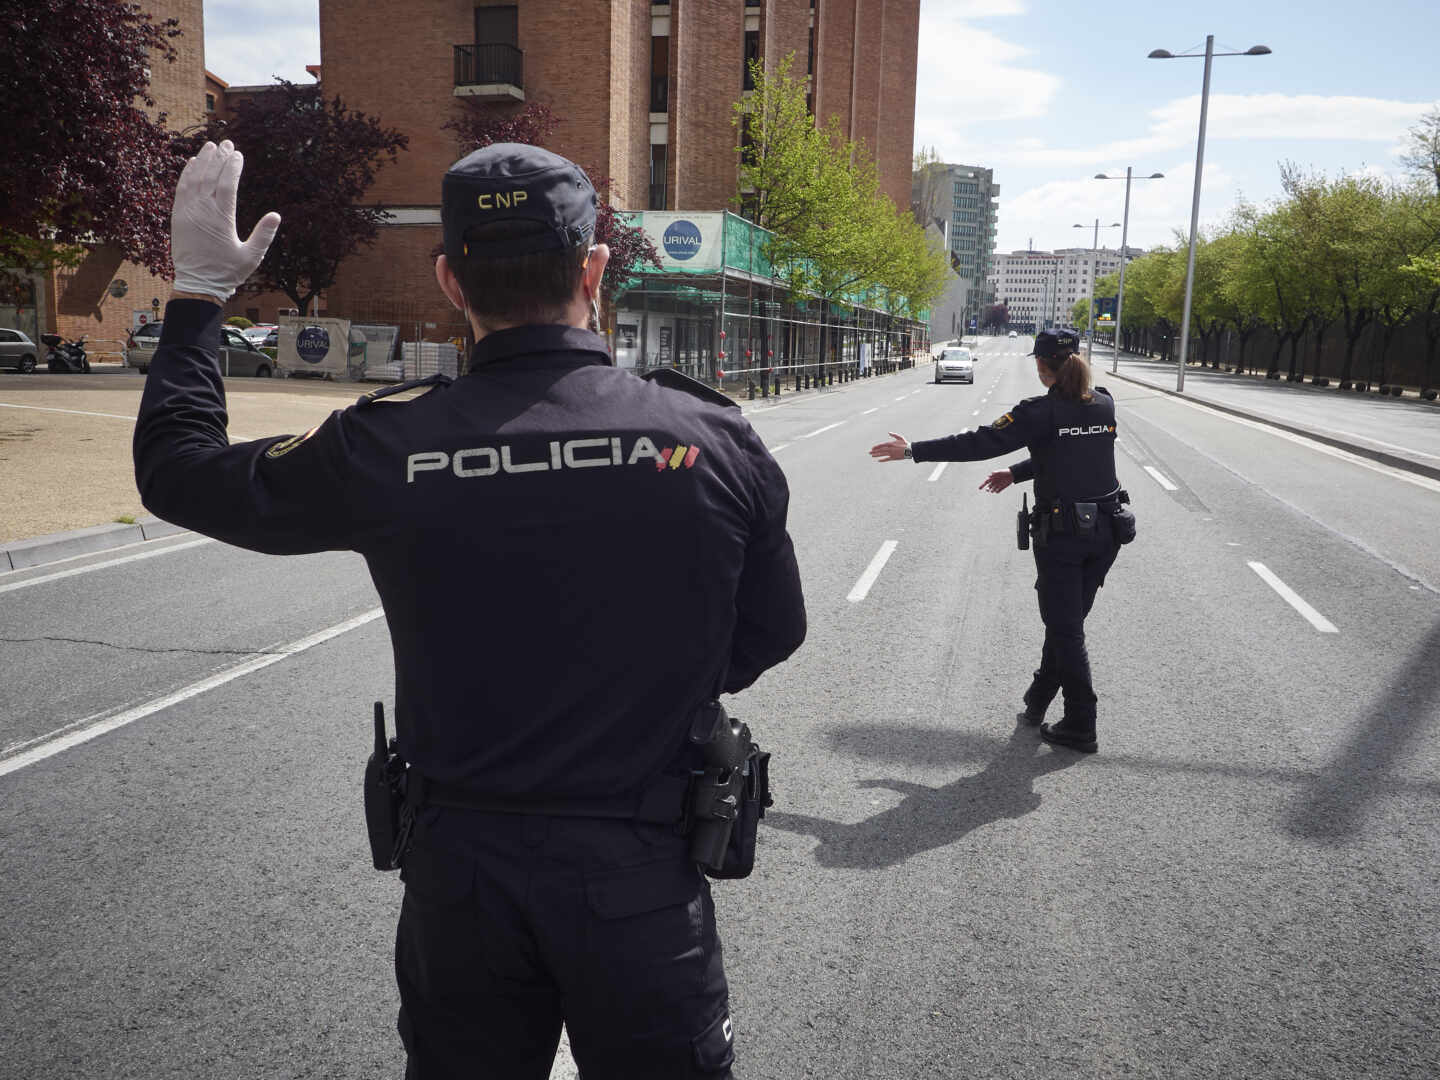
(659, 74)
(752, 52)
(209, 102)
(657, 176)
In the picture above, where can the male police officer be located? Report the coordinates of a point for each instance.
(571, 560)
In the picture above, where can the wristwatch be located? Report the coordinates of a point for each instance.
(908, 454)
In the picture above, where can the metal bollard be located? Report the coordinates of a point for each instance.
(751, 391)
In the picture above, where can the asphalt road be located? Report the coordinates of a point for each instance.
(1243, 883)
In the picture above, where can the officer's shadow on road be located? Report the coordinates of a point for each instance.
(931, 817)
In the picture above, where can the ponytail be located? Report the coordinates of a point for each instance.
(1072, 376)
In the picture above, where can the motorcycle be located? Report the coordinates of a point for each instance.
(66, 357)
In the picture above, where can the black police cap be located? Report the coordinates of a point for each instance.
(1054, 344)
(516, 182)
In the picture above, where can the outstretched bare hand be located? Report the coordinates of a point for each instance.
(997, 482)
(894, 450)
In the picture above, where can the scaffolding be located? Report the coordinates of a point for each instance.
(720, 313)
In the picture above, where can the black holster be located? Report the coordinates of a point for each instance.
(728, 798)
(1022, 524)
(388, 817)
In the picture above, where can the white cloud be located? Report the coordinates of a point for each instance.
(1258, 117)
(1048, 212)
(248, 42)
(967, 75)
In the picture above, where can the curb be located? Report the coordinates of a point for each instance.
(1393, 460)
(25, 554)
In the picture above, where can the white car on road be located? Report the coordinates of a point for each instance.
(957, 364)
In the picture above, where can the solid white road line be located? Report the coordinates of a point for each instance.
(52, 746)
(938, 470)
(72, 412)
(101, 565)
(867, 579)
(1160, 478)
(821, 431)
(867, 412)
(902, 397)
(1291, 597)
(1426, 482)
(777, 449)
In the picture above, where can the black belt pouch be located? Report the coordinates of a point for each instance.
(740, 853)
(1086, 516)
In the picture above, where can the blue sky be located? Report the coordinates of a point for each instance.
(1048, 93)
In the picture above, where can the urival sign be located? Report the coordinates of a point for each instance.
(682, 240)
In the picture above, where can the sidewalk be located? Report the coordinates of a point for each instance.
(67, 485)
(1403, 433)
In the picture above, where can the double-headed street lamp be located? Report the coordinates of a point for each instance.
(1164, 54)
(1124, 239)
(1094, 269)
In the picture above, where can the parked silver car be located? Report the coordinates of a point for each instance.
(18, 351)
(238, 355)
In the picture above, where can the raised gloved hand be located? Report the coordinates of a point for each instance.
(208, 254)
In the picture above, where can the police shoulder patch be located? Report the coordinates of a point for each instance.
(399, 388)
(675, 380)
(1004, 421)
(284, 446)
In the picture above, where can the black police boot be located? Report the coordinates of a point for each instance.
(1071, 735)
(1036, 702)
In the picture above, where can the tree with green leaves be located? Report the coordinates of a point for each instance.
(835, 235)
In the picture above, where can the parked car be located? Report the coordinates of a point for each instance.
(141, 341)
(238, 355)
(957, 364)
(259, 332)
(18, 351)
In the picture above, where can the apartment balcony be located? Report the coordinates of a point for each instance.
(490, 72)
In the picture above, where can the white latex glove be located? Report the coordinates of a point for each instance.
(208, 255)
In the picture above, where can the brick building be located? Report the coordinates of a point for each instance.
(644, 92)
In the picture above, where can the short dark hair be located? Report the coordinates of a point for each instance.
(519, 289)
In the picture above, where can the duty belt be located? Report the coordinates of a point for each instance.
(663, 802)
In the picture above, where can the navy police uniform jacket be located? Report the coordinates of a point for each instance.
(569, 558)
(1071, 444)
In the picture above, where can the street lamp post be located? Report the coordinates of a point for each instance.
(1124, 240)
(1094, 267)
(1209, 54)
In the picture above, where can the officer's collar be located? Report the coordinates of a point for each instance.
(582, 346)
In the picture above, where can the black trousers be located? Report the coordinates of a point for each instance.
(1069, 571)
(512, 925)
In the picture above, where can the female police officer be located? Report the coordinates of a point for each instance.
(1078, 524)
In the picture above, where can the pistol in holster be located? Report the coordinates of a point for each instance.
(388, 817)
(729, 796)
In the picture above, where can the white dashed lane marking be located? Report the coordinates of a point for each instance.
(821, 431)
(938, 470)
(867, 412)
(1291, 597)
(777, 449)
(867, 579)
(1160, 478)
